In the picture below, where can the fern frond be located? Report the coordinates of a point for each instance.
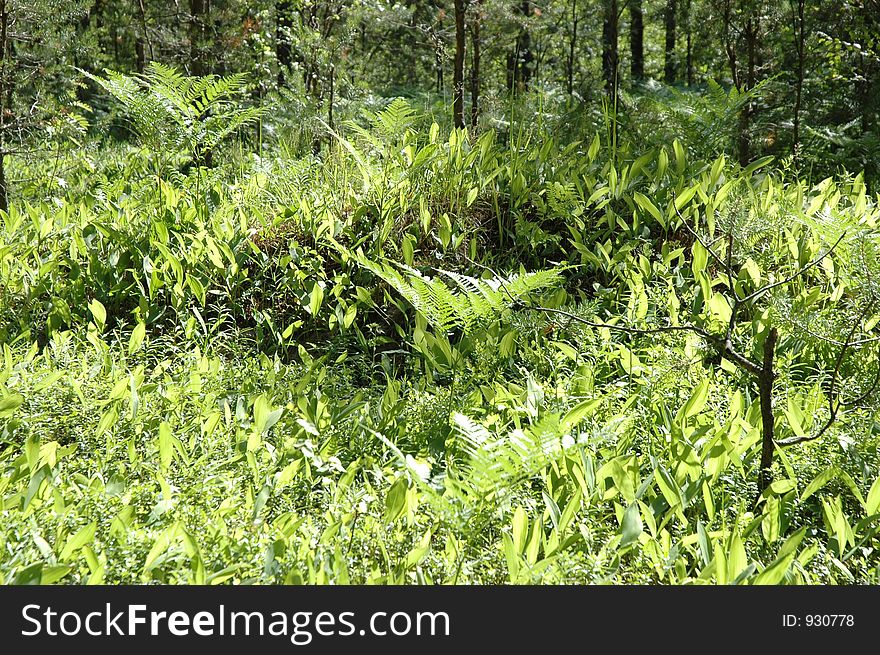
(471, 304)
(497, 463)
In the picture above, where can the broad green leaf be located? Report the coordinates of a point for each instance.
(755, 165)
(593, 150)
(775, 572)
(81, 538)
(137, 338)
(631, 526)
(699, 258)
(580, 411)
(772, 521)
(98, 312)
(264, 416)
(395, 499)
(872, 504)
(316, 297)
(697, 401)
(685, 197)
(166, 444)
(8, 404)
(820, 481)
(645, 203)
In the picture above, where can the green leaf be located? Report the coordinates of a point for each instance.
(781, 487)
(755, 165)
(736, 556)
(820, 481)
(8, 404)
(264, 416)
(631, 526)
(772, 521)
(775, 572)
(699, 258)
(395, 500)
(52, 574)
(418, 553)
(137, 338)
(508, 343)
(668, 487)
(81, 538)
(594, 148)
(166, 444)
(579, 412)
(684, 198)
(645, 203)
(316, 297)
(98, 312)
(696, 402)
(872, 504)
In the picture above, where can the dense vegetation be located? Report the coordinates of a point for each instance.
(278, 304)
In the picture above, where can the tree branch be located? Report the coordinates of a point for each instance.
(796, 274)
(832, 408)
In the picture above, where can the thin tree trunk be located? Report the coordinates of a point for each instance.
(197, 11)
(142, 40)
(609, 47)
(475, 63)
(800, 37)
(765, 393)
(283, 26)
(4, 84)
(458, 66)
(866, 87)
(745, 116)
(524, 56)
(572, 48)
(669, 19)
(690, 47)
(637, 40)
(729, 42)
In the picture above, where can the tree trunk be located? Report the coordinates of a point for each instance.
(4, 84)
(690, 48)
(283, 26)
(572, 48)
(765, 393)
(669, 19)
(524, 56)
(729, 41)
(866, 87)
(458, 66)
(637, 40)
(142, 41)
(799, 41)
(197, 11)
(744, 148)
(475, 62)
(609, 46)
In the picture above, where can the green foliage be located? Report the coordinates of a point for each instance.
(228, 385)
(473, 303)
(173, 113)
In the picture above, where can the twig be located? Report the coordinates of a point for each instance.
(832, 408)
(796, 274)
(708, 247)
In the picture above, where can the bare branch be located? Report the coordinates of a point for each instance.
(796, 274)
(832, 408)
(703, 243)
(724, 346)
